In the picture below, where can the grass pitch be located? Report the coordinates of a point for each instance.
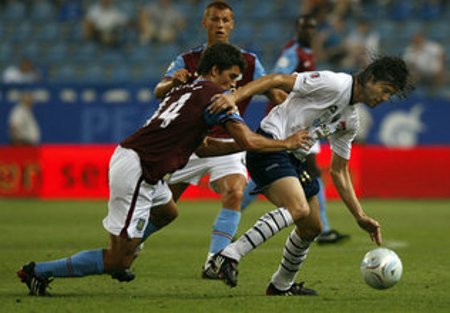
(168, 270)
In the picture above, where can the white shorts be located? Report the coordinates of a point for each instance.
(216, 167)
(130, 197)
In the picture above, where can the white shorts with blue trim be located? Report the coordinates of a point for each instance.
(131, 198)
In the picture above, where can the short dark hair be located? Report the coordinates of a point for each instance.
(222, 55)
(392, 70)
(221, 5)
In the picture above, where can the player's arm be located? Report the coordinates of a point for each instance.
(247, 140)
(259, 86)
(340, 175)
(167, 83)
(276, 95)
(212, 147)
(251, 141)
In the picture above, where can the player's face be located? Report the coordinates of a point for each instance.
(227, 78)
(218, 24)
(306, 30)
(377, 92)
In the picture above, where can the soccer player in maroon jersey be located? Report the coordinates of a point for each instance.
(227, 174)
(297, 56)
(141, 162)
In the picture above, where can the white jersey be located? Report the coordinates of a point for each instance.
(319, 102)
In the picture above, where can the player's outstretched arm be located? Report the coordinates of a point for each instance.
(212, 147)
(251, 141)
(340, 175)
(259, 86)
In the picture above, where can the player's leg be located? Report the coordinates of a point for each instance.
(230, 188)
(228, 177)
(287, 194)
(295, 252)
(160, 216)
(248, 197)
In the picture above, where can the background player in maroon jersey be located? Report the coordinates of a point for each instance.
(140, 163)
(227, 174)
(297, 56)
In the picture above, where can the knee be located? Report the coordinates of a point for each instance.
(299, 211)
(232, 197)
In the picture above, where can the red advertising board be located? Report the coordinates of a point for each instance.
(81, 172)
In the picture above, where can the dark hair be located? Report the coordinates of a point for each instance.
(392, 70)
(222, 55)
(221, 5)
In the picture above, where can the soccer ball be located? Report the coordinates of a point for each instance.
(381, 268)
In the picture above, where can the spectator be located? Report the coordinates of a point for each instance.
(160, 22)
(427, 62)
(25, 73)
(23, 127)
(104, 23)
(361, 44)
(330, 48)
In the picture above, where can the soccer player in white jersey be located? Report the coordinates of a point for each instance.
(323, 103)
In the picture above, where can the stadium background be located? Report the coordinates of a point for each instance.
(91, 97)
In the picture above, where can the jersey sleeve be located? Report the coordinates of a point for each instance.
(341, 142)
(323, 84)
(222, 118)
(259, 69)
(176, 65)
(287, 62)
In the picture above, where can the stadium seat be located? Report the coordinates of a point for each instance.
(6, 51)
(42, 11)
(58, 52)
(64, 73)
(47, 32)
(85, 52)
(439, 30)
(22, 32)
(32, 50)
(14, 12)
(120, 74)
(111, 56)
(93, 73)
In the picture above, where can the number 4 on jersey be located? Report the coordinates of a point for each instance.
(171, 113)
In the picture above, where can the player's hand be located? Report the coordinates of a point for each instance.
(223, 102)
(372, 227)
(300, 139)
(181, 77)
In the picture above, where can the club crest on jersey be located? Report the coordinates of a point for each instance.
(140, 224)
(315, 75)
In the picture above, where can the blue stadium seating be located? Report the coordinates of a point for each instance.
(51, 35)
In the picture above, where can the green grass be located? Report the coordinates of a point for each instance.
(168, 270)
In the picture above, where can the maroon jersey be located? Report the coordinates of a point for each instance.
(167, 140)
(190, 61)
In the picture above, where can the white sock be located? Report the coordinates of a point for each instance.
(208, 257)
(266, 226)
(294, 254)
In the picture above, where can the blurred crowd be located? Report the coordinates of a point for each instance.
(118, 41)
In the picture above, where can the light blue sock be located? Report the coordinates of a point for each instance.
(323, 206)
(150, 229)
(248, 198)
(224, 228)
(81, 264)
